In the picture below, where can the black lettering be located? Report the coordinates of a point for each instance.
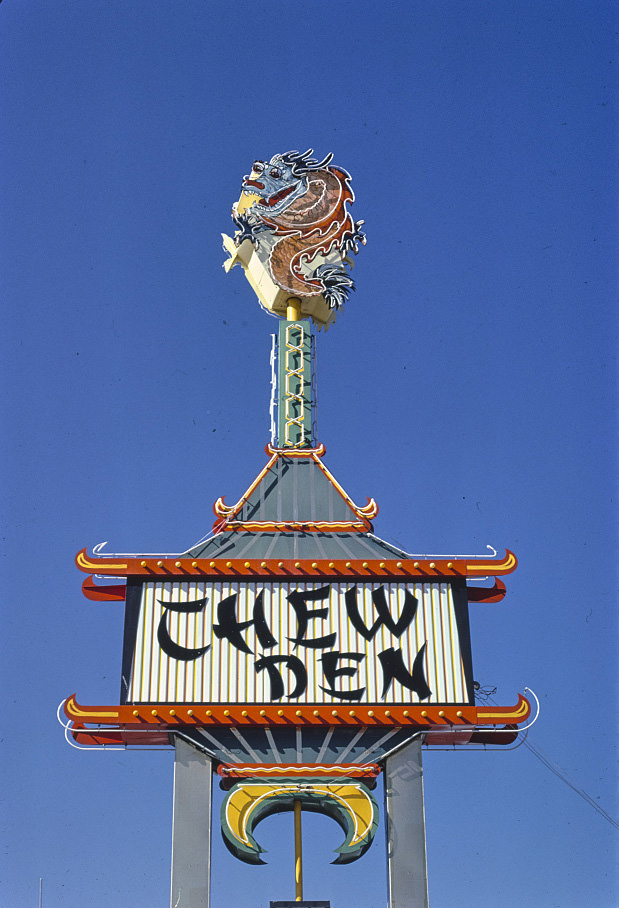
(229, 627)
(393, 668)
(332, 672)
(298, 600)
(385, 617)
(295, 665)
(169, 646)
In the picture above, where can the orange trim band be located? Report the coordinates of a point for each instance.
(297, 452)
(249, 770)
(91, 713)
(175, 715)
(84, 563)
(227, 513)
(498, 714)
(181, 566)
(299, 526)
(480, 568)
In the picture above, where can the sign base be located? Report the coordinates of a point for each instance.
(291, 903)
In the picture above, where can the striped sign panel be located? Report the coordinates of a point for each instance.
(238, 642)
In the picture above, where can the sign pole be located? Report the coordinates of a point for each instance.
(298, 853)
(191, 827)
(293, 309)
(405, 821)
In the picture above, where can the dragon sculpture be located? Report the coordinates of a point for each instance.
(293, 209)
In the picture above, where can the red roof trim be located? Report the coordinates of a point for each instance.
(144, 716)
(226, 514)
(337, 569)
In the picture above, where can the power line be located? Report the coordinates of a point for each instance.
(549, 764)
(484, 694)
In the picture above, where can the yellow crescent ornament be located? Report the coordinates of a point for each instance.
(347, 801)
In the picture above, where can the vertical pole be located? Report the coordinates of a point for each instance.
(298, 853)
(293, 309)
(294, 381)
(191, 827)
(40, 891)
(407, 872)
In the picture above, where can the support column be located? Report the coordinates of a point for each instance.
(191, 827)
(407, 872)
(294, 383)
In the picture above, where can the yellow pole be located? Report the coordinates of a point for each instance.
(293, 309)
(298, 854)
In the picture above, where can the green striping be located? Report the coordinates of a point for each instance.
(294, 384)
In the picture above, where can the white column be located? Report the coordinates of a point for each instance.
(407, 871)
(191, 827)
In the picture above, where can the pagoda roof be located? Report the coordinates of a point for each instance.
(294, 520)
(295, 508)
(294, 545)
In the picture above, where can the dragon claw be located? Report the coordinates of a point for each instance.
(336, 284)
(352, 237)
(246, 229)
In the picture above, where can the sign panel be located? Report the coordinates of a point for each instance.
(226, 641)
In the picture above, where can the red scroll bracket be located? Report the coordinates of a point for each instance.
(103, 592)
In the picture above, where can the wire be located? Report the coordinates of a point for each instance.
(485, 693)
(549, 764)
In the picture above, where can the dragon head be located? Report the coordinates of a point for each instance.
(279, 182)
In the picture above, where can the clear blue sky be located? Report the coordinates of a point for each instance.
(469, 386)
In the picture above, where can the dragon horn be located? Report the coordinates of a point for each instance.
(305, 160)
(326, 160)
(315, 165)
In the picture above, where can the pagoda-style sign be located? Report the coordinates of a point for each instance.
(294, 652)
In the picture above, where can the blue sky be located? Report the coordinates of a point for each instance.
(469, 386)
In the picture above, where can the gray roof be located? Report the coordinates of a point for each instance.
(296, 489)
(287, 545)
(292, 490)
